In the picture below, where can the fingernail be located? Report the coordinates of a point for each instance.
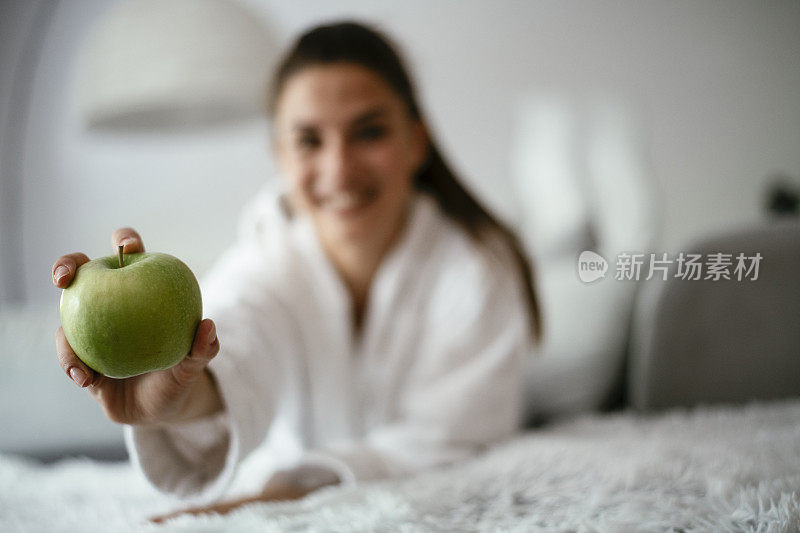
(78, 376)
(212, 334)
(60, 273)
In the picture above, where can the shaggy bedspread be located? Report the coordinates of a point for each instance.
(708, 469)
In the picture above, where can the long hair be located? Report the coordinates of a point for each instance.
(350, 42)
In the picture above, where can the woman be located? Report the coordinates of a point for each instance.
(370, 321)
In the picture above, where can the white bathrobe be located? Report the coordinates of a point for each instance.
(435, 376)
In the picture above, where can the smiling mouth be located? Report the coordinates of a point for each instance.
(349, 202)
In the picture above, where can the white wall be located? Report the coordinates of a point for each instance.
(714, 84)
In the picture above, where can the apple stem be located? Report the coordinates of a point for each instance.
(119, 254)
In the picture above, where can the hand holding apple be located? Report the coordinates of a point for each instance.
(183, 391)
(131, 314)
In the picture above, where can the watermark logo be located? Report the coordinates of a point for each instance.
(635, 266)
(591, 266)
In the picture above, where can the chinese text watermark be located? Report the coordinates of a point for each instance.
(687, 266)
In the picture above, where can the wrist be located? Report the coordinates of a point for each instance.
(203, 401)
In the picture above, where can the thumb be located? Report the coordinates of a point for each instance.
(204, 348)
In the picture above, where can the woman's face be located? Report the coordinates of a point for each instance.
(349, 149)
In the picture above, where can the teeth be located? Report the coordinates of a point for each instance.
(345, 200)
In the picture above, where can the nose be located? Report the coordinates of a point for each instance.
(338, 166)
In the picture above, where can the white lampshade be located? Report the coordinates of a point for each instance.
(158, 64)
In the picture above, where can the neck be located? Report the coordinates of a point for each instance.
(357, 262)
(356, 266)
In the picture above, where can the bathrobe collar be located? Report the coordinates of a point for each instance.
(422, 211)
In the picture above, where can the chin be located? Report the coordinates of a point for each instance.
(350, 232)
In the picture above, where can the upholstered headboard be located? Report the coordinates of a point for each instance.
(706, 341)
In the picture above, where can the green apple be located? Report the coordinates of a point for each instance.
(126, 320)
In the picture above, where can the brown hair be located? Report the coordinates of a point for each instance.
(350, 42)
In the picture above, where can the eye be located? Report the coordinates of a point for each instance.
(307, 141)
(370, 133)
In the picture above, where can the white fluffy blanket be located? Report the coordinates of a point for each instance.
(711, 469)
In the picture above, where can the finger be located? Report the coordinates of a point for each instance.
(77, 371)
(129, 238)
(204, 348)
(65, 267)
(218, 508)
(160, 519)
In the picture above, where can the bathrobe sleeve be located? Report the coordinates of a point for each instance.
(196, 460)
(464, 391)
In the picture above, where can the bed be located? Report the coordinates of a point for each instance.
(720, 468)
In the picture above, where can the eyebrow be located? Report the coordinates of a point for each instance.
(365, 117)
(370, 115)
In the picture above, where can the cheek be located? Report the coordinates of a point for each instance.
(391, 165)
(297, 177)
